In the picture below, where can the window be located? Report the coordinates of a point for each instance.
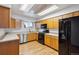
(28, 24)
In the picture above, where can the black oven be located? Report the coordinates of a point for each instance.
(42, 32)
(41, 37)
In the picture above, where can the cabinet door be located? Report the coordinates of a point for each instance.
(36, 36)
(44, 21)
(55, 43)
(12, 23)
(32, 36)
(51, 42)
(50, 23)
(4, 17)
(47, 40)
(18, 23)
(55, 23)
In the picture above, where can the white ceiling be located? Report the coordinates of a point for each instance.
(31, 12)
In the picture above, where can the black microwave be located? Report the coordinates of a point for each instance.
(43, 26)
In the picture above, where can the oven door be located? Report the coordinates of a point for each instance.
(41, 38)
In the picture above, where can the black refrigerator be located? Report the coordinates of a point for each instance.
(69, 36)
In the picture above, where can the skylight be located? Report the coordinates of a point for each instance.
(23, 7)
(52, 8)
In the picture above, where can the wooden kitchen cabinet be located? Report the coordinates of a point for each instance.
(18, 23)
(51, 41)
(55, 23)
(32, 36)
(43, 21)
(55, 43)
(12, 23)
(15, 23)
(50, 24)
(4, 17)
(47, 40)
(9, 47)
(36, 36)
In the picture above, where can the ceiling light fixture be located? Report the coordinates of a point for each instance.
(24, 6)
(52, 8)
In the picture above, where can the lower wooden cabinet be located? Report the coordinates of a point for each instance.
(47, 40)
(51, 41)
(32, 36)
(9, 47)
(55, 43)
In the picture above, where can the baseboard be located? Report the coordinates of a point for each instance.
(28, 41)
(52, 48)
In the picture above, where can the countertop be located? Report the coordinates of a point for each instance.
(53, 34)
(9, 37)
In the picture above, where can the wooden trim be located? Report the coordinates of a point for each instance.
(52, 48)
(27, 41)
(4, 7)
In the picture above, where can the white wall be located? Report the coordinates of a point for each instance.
(74, 7)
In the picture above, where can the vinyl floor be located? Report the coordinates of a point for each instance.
(35, 48)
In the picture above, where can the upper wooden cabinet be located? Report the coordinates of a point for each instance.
(38, 24)
(15, 23)
(18, 23)
(4, 17)
(12, 23)
(53, 23)
(50, 23)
